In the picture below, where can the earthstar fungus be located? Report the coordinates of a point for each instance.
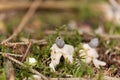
(58, 49)
(89, 53)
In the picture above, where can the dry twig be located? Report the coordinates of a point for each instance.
(26, 53)
(15, 55)
(38, 42)
(25, 19)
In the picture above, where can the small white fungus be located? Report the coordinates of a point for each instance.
(56, 53)
(32, 61)
(89, 55)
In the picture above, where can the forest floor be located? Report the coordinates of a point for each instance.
(29, 31)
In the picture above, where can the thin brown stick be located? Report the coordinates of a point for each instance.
(10, 54)
(25, 19)
(21, 64)
(26, 52)
(12, 59)
(38, 42)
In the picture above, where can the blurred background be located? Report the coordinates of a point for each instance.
(99, 16)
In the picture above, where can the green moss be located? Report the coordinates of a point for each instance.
(100, 75)
(73, 39)
(2, 74)
(22, 72)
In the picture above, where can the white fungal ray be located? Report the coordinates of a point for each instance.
(55, 59)
(67, 52)
(56, 53)
(98, 63)
(89, 55)
(90, 51)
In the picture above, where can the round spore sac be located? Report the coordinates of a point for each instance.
(60, 42)
(94, 43)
